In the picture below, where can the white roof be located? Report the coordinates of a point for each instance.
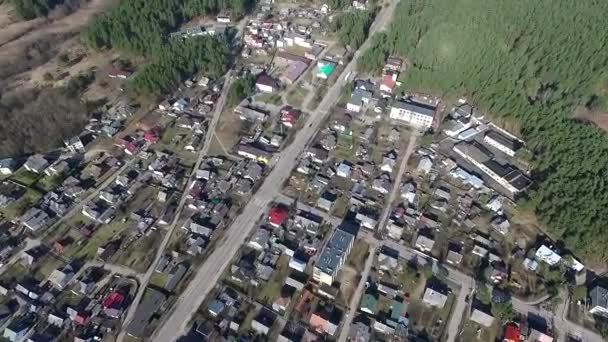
(545, 254)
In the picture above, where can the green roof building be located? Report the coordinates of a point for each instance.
(325, 69)
(369, 304)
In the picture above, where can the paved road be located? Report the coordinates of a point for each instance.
(210, 272)
(161, 249)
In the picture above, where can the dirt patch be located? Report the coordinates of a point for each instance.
(27, 45)
(599, 119)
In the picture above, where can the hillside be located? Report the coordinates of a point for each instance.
(528, 63)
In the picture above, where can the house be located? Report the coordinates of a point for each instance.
(308, 221)
(482, 318)
(369, 304)
(277, 216)
(389, 83)
(119, 73)
(393, 64)
(325, 68)
(250, 114)
(254, 153)
(61, 277)
(35, 219)
(19, 328)
(36, 164)
(333, 256)
(151, 302)
(292, 332)
(294, 70)
(344, 169)
(413, 113)
(289, 116)
(512, 333)
(299, 260)
(453, 257)
(599, 301)
(7, 166)
(263, 321)
(215, 308)
(424, 243)
(359, 332)
(326, 201)
(367, 220)
(266, 84)
(259, 240)
(505, 143)
(358, 99)
(325, 320)
(546, 254)
(281, 304)
(424, 165)
(395, 229)
(224, 19)
(434, 298)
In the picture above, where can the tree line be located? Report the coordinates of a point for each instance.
(530, 64)
(30, 9)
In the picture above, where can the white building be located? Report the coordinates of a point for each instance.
(544, 253)
(505, 143)
(415, 114)
(333, 257)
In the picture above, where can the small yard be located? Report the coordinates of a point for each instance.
(430, 319)
(296, 97)
(358, 255)
(272, 289)
(474, 332)
(274, 99)
(24, 177)
(16, 209)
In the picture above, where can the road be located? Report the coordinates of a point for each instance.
(373, 242)
(211, 271)
(163, 245)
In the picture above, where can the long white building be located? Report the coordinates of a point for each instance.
(413, 113)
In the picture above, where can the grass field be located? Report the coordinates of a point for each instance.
(25, 177)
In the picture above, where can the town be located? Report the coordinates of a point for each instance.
(319, 203)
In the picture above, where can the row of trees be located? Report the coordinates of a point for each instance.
(141, 26)
(530, 64)
(175, 62)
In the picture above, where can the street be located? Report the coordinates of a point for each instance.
(211, 271)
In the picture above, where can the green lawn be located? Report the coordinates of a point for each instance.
(16, 271)
(48, 183)
(25, 177)
(269, 98)
(340, 207)
(101, 236)
(296, 96)
(158, 279)
(272, 289)
(46, 266)
(17, 209)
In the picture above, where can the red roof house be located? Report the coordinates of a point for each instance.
(389, 82)
(512, 333)
(112, 300)
(81, 319)
(152, 136)
(277, 215)
(289, 116)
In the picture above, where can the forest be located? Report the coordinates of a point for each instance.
(529, 64)
(178, 60)
(30, 9)
(39, 119)
(353, 27)
(142, 26)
